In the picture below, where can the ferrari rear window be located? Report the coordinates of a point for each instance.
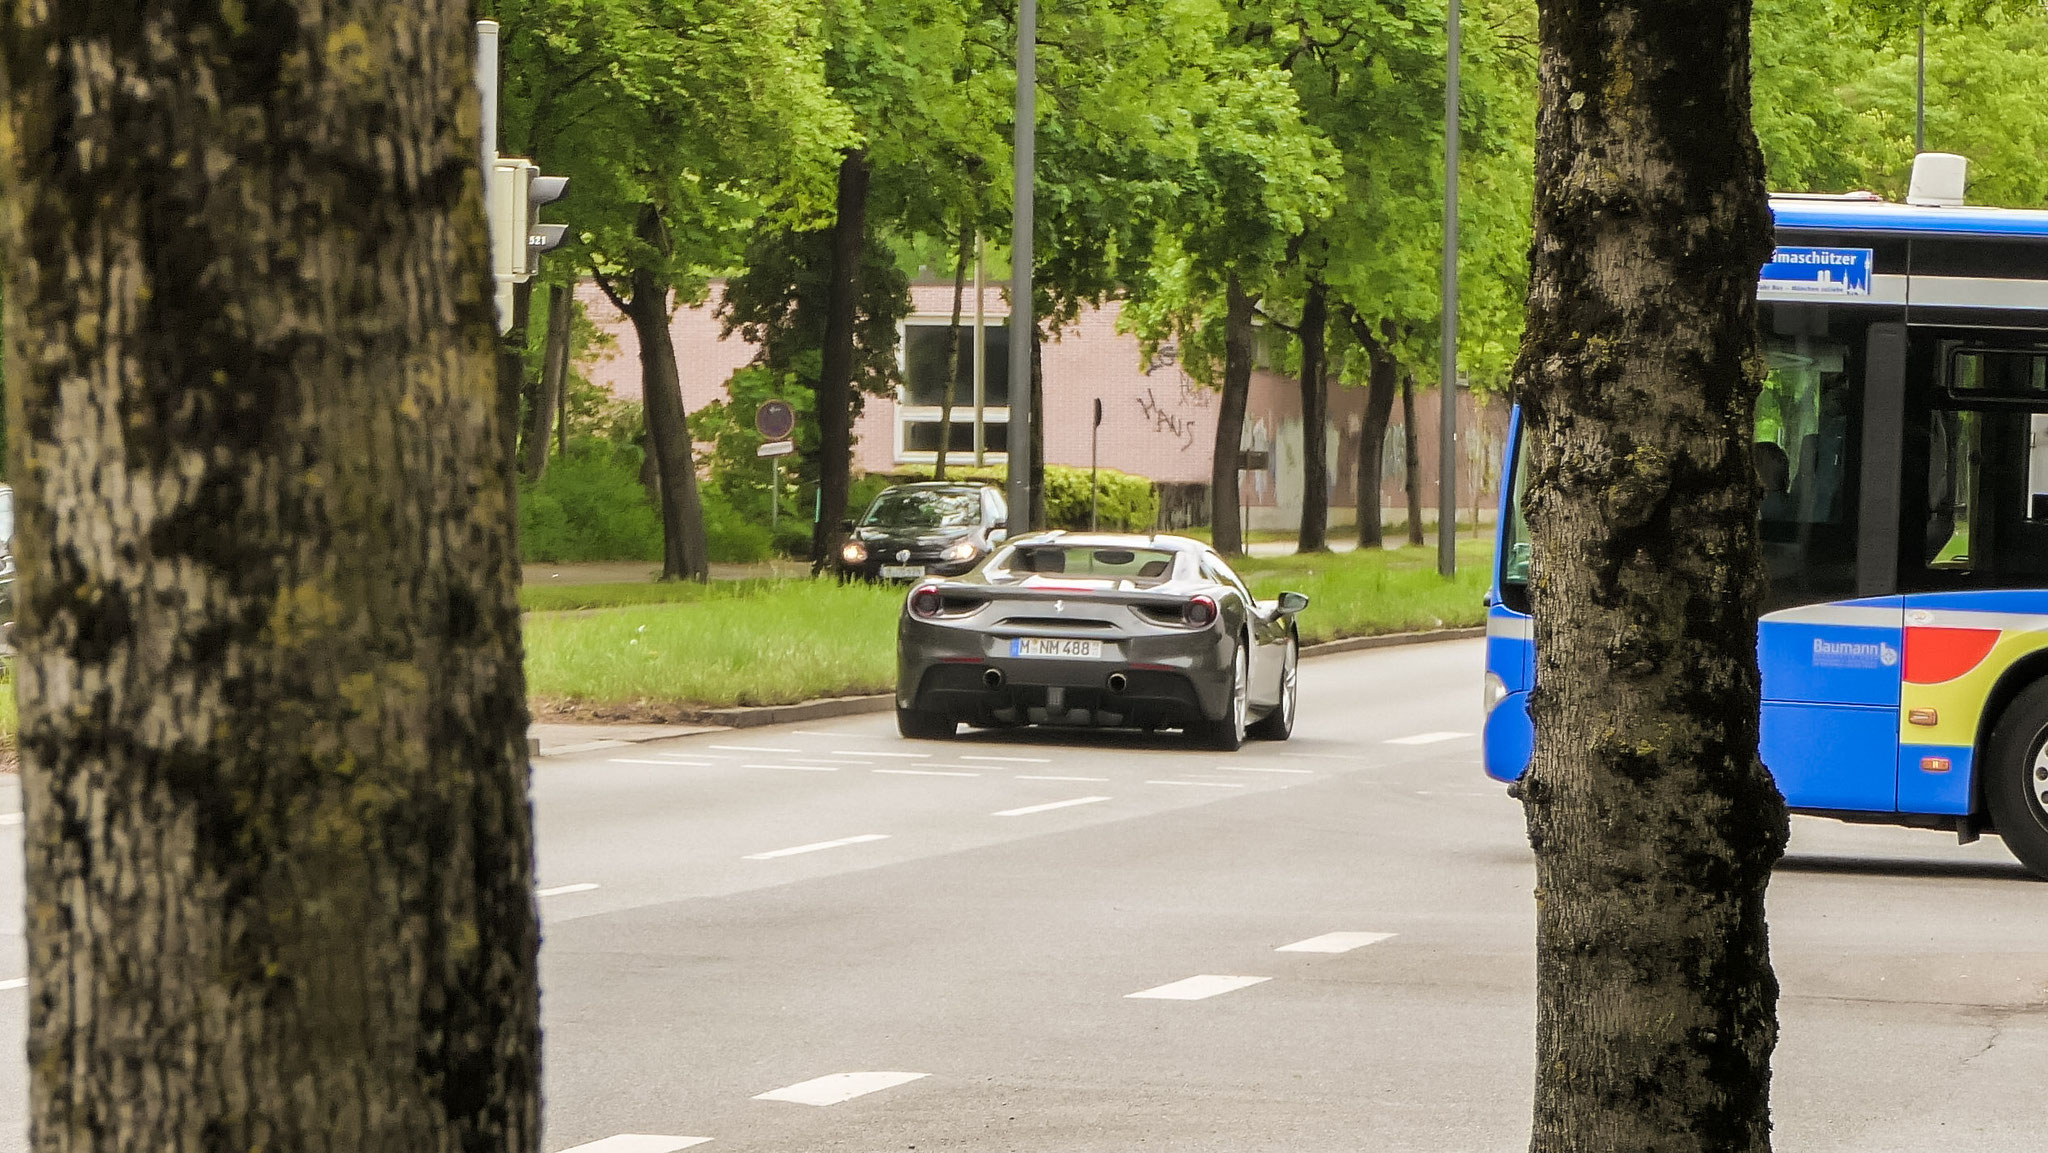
(1139, 565)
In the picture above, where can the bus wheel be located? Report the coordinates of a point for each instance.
(2016, 778)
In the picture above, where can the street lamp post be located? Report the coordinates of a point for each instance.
(1025, 141)
(1447, 439)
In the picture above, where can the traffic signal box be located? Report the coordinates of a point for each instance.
(514, 198)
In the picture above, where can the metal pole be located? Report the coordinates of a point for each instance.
(1447, 441)
(1920, 91)
(774, 494)
(487, 88)
(980, 360)
(1094, 465)
(1024, 151)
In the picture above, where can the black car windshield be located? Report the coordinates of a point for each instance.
(1138, 565)
(924, 510)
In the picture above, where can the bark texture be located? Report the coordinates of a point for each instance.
(1654, 824)
(1224, 470)
(1315, 419)
(280, 884)
(836, 367)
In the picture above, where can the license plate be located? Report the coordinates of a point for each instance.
(893, 572)
(1055, 647)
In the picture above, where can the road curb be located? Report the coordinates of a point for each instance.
(1390, 640)
(824, 708)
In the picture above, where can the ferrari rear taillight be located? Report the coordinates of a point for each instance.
(1199, 613)
(925, 602)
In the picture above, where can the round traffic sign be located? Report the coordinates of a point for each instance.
(775, 419)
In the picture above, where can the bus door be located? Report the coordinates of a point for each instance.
(1973, 543)
(1830, 657)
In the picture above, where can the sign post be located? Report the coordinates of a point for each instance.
(775, 420)
(1094, 464)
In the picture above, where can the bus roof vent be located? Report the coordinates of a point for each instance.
(1937, 180)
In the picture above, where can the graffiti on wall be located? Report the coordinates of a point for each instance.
(1166, 421)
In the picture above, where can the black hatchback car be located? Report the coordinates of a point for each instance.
(931, 529)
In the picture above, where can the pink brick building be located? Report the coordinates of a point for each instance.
(1158, 422)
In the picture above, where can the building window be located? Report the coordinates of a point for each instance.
(919, 401)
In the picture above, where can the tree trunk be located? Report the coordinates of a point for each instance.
(835, 372)
(953, 355)
(273, 718)
(1411, 454)
(1382, 372)
(683, 552)
(1654, 824)
(546, 396)
(1315, 420)
(1239, 305)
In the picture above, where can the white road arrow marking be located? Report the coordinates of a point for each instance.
(637, 1143)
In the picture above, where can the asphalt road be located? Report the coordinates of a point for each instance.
(825, 938)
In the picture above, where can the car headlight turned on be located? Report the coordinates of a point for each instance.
(962, 551)
(1199, 613)
(1496, 692)
(853, 552)
(925, 603)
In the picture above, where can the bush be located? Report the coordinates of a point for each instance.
(730, 536)
(590, 507)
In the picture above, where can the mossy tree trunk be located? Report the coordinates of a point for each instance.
(279, 859)
(1654, 824)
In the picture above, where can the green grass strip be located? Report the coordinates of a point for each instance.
(773, 642)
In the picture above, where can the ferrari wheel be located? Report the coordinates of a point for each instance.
(1278, 725)
(2015, 778)
(1228, 733)
(918, 725)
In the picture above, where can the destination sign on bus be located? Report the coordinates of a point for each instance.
(1819, 271)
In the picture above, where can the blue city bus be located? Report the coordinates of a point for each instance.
(1902, 441)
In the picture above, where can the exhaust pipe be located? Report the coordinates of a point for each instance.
(1118, 682)
(993, 678)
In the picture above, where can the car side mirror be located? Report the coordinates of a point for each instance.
(997, 535)
(845, 526)
(1291, 603)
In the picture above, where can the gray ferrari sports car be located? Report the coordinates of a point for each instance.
(1105, 629)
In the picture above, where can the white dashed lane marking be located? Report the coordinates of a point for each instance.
(1197, 988)
(14, 983)
(637, 1143)
(1046, 808)
(797, 768)
(1023, 777)
(752, 749)
(1334, 943)
(838, 1087)
(1013, 760)
(924, 772)
(863, 839)
(1427, 738)
(1255, 769)
(1201, 784)
(669, 764)
(10, 818)
(564, 890)
(872, 753)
